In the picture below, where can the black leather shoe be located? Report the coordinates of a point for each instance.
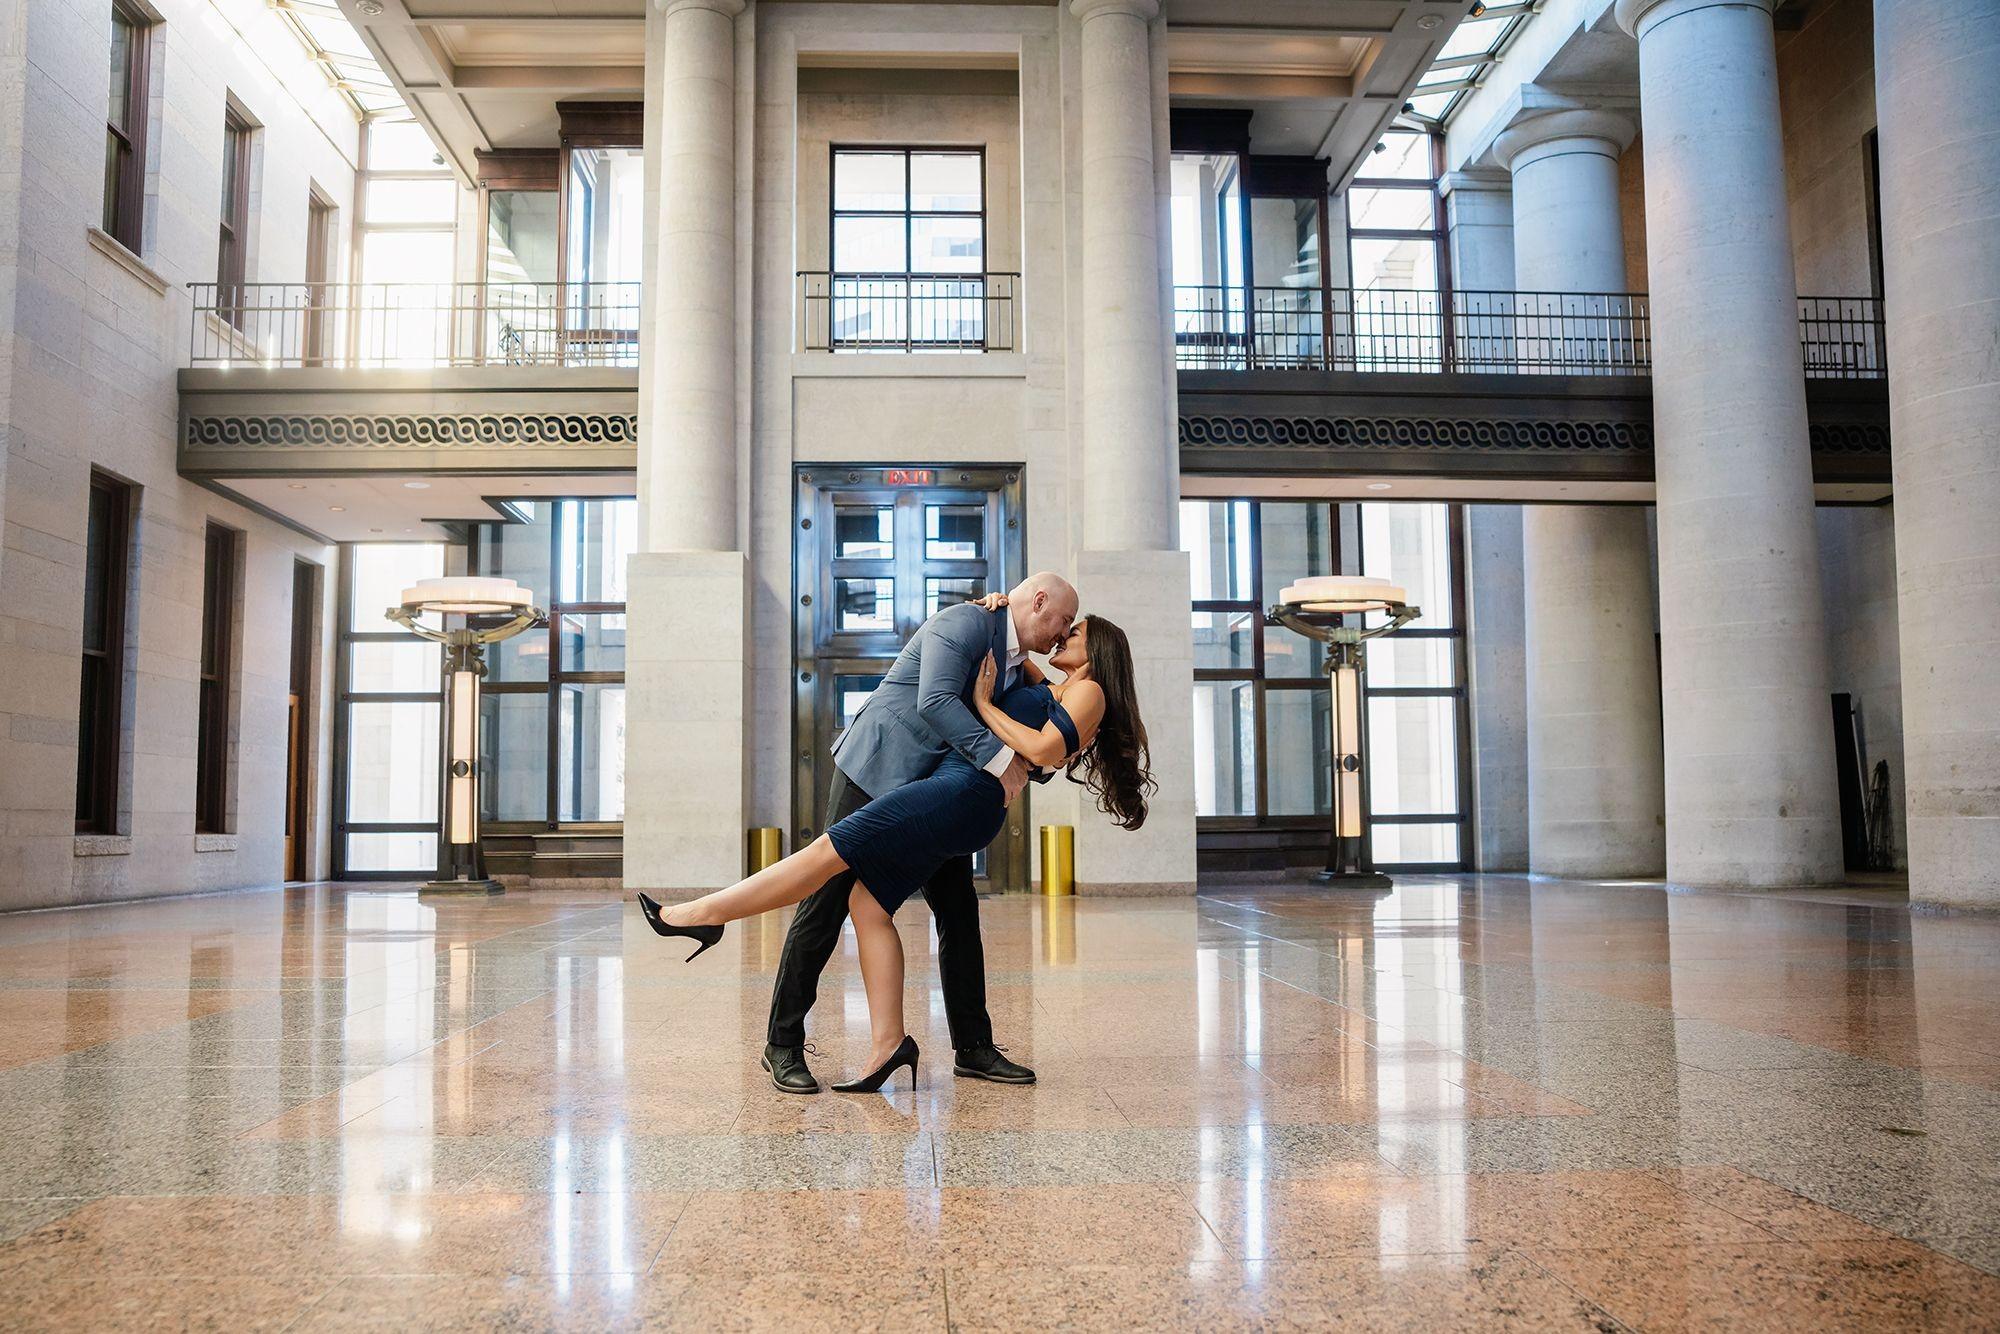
(789, 1072)
(986, 1062)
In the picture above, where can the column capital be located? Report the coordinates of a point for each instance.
(1637, 16)
(729, 9)
(1143, 10)
(1540, 137)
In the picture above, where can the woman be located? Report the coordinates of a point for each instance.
(1089, 724)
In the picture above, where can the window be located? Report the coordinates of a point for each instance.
(391, 706)
(909, 249)
(553, 703)
(125, 128)
(231, 255)
(1395, 244)
(409, 216)
(1263, 759)
(320, 299)
(218, 612)
(100, 712)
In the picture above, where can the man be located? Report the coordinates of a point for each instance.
(919, 713)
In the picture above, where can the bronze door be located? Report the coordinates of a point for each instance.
(876, 551)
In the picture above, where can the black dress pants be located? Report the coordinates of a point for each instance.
(815, 932)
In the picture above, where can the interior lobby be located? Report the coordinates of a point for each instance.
(470, 464)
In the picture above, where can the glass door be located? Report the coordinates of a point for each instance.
(876, 551)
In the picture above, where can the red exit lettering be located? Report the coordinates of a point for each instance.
(908, 477)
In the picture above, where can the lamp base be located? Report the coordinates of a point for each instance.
(486, 885)
(1354, 880)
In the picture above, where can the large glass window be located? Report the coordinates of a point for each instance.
(1263, 754)
(391, 702)
(409, 215)
(553, 704)
(1394, 243)
(909, 249)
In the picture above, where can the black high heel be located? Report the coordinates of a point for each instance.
(905, 1054)
(707, 935)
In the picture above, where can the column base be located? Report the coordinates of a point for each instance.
(687, 690)
(465, 887)
(1146, 593)
(1354, 880)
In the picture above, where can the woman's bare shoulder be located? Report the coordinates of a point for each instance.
(1079, 695)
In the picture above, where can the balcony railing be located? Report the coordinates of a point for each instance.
(1518, 333)
(415, 324)
(908, 312)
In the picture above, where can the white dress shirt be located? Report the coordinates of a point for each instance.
(1016, 655)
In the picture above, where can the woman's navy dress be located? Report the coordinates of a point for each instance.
(897, 842)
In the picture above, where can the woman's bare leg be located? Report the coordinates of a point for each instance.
(776, 885)
(881, 951)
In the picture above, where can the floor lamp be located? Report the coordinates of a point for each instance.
(461, 867)
(1331, 609)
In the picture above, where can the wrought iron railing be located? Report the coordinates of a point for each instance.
(1520, 333)
(909, 312)
(415, 324)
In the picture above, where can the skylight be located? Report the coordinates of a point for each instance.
(333, 44)
(1464, 61)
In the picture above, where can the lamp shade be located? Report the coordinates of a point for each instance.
(470, 595)
(1344, 592)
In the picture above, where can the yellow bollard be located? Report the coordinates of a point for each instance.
(767, 847)
(1058, 859)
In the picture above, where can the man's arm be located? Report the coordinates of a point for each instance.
(951, 655)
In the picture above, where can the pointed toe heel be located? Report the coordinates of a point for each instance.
(705, 935)
(905, 1054)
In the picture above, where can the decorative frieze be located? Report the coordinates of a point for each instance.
(468, 430)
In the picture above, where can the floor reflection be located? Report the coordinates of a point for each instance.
(1467, 1100)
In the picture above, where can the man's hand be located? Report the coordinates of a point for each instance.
(1014, 778)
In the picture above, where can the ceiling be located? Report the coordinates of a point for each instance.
(382, 507)
(1323, 77)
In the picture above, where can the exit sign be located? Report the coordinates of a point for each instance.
(909, 477)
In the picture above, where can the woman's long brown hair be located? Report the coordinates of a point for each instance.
(1117, 764)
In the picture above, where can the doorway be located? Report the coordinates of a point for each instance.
(876, 551)
(298, 722)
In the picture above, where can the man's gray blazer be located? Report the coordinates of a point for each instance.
(923, 708)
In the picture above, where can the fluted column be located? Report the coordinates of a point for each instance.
(1130, 567)
(1127, 502)
(1750, 790)
(688, 455)
(1595, 773)
(1940, 141)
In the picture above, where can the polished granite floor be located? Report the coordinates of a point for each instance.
(1467, 1103)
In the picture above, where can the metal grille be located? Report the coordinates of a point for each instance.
(1516, 333)
(908, 312)
(415, 324)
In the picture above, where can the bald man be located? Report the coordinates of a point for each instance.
(920, 713)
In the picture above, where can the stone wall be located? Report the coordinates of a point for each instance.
(90, 342)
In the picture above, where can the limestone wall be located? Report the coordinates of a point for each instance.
(89, 345)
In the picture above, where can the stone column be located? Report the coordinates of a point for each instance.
(1750, 789)
(689, 462)
(687, 764)
(1127, 503)
(1595, 775)
(1130, 568)
(1941, 246)
(1479, 211)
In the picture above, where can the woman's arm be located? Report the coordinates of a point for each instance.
(1045, 746)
